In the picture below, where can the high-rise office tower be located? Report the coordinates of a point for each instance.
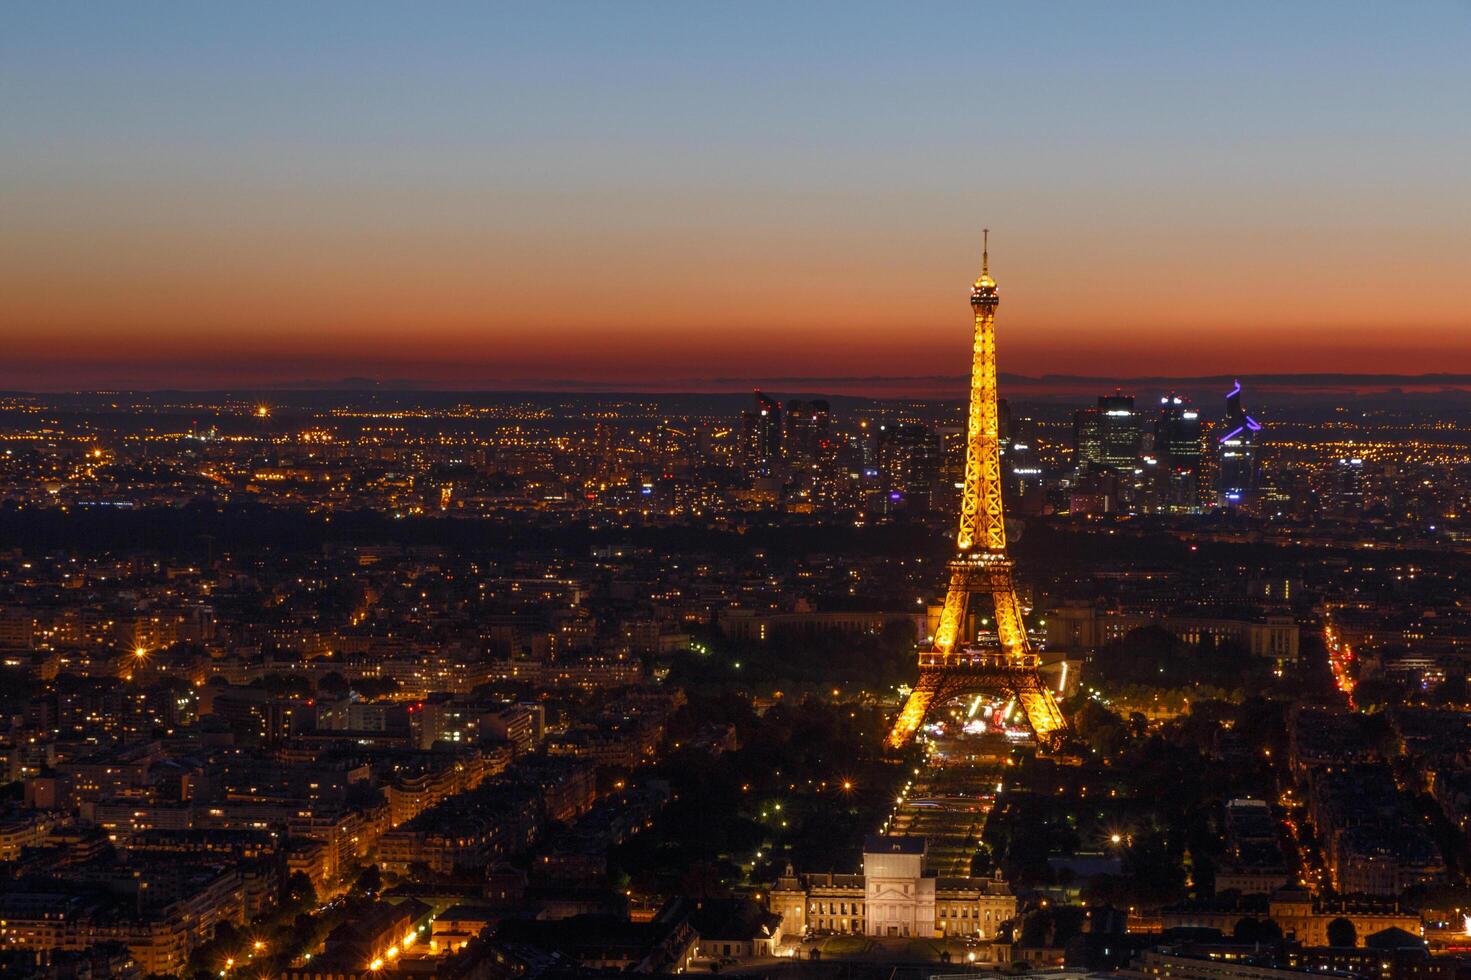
(1177, 455)
(952, 467)
(1108, 434)
(761, 437)
(1346, 495)
(808, 430)
(1022, 465)
(910, 462)
(1236, 451)
(1119, 431)
(1087, 438)
(1107, 441)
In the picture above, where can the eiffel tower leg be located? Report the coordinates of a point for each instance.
(952, 617)
(1043, 714)
(1010, 630)
(938, 685)
(915, 709)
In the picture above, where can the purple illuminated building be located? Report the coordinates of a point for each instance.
(1236, 452)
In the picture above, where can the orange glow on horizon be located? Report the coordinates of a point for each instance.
(718, 312)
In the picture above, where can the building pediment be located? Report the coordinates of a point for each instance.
(891, 895)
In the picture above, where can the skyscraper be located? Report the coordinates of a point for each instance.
(1107, 440)
(910, 461)
(761, 437)
(1237, 452)
(1119, 431)
(808, 430)
(1108, 434)
(1347, 491)
(1022, 465)
(1087, 438)
(1177, 455)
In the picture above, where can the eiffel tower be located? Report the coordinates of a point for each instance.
(981, 568)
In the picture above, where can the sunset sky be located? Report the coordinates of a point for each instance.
(517, 194)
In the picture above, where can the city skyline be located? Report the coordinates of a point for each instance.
(656, 197)
(506, 492)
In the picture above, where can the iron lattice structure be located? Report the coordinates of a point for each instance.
(981, 566)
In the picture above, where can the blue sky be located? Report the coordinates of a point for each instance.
(207, 181)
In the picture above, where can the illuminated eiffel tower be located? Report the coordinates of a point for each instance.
(981, 568)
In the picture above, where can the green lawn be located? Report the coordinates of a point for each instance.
(845, 946)
(925, 949)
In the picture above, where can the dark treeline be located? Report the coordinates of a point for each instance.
(204, 527)
(190, 530)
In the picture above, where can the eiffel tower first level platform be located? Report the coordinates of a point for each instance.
(949, 669)
(973, 673)
(1009, 670)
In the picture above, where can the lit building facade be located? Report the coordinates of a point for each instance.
(893, 897)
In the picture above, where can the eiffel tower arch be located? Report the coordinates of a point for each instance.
(981, 568)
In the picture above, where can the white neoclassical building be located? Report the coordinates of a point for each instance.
(894, 896)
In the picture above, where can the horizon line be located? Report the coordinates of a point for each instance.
(732, 385)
